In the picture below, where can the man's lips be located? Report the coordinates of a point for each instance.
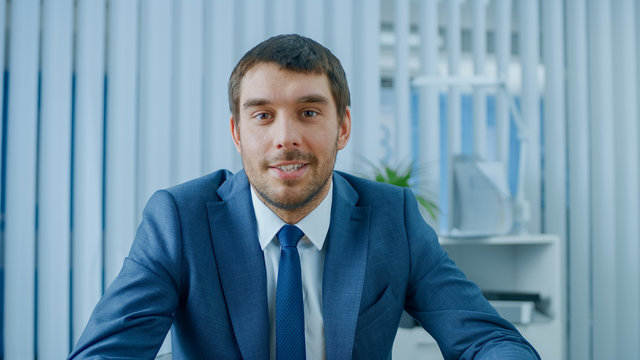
(289, 167)
(289, 171)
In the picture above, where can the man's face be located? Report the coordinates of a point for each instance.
(288, 134)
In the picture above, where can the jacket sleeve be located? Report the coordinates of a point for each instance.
(135, 313)
(450, 307)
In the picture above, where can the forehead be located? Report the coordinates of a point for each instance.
(268, 81)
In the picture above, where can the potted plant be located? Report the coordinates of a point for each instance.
(403, 177)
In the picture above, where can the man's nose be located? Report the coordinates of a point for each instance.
(287, 132)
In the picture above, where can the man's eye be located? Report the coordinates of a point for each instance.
(309, 113)
(262, 116)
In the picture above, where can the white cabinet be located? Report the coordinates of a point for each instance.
(528, 263)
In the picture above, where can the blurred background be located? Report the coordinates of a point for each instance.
(518, 120)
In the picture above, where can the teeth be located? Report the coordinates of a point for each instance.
(292, 167)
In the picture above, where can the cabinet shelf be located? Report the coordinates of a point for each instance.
(525, 239)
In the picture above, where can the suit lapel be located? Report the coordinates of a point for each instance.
(241, 266)
(344, 269)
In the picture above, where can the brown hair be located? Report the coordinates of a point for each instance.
(294, 53)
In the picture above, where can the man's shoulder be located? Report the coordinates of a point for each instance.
(204, 188)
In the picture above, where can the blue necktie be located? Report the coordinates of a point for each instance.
(289, 307)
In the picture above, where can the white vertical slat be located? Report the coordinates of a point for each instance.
(555, 146)
(121, 128)
(312, 18)
(603, 210)
(20, 217)
(530, 109)
(401, 87)
(340, 37)
(220, 152)
(365, 124)
(637, 44)
(626, 179)
(637, 34)
(479, 14)
(454, 126)
(154, 101)
(87, 162)
(579, 266)
(54, 177)
(187, 91)
(429, 128)
(554, 119)
(283, 14)
(255, 33)
(502, 32)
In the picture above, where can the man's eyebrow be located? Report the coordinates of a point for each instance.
(307, 99)
(255, 102)
(313, 99)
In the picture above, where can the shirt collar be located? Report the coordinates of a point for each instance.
(315, 225)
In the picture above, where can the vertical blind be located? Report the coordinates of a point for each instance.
(53, 237)
(106, 101)
(579, 241)
(626, 159)
(575, 67)
(21, 164)
(110, 100)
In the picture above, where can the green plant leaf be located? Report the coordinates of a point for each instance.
(402, 177)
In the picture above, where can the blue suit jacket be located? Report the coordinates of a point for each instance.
(196, 265)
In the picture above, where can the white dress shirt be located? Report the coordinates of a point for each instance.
(315, 227)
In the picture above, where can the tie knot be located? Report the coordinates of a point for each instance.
(289, 235)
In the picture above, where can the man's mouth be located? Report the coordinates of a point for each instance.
(289, 167)
(289, 171)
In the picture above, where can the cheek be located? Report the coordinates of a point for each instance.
(324, 144)
(254, 145)
(247, 138)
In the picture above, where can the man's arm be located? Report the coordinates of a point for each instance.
(135, 313)
(451, 308)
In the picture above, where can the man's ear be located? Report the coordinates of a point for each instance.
(344, 131)
(235, 134)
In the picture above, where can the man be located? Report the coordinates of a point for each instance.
(216, 259)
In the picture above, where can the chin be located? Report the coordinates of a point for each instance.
(289, 202)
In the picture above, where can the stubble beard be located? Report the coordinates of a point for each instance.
(310, 192)
(314, 192)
